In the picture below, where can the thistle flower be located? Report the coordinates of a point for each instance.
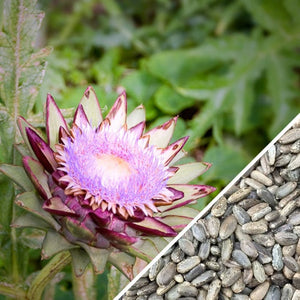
(105, 185)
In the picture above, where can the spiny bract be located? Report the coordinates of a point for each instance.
(107, 186)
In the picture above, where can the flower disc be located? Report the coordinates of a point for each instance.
(113, 168)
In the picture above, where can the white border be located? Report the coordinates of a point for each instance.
(207, 208)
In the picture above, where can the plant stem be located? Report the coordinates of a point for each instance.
(12, 291)
(84, 285)
(55, 265)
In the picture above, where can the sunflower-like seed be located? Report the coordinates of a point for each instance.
(239, 195)
(220, 207)
(286, 238)
(291, 263)
(187, 247)
(277, 262)
(254, 183)
(230, 276)
(273, 293)
(204, 278)
(241, 258)
(290, 136)
(165, 276)
(188, 264)
(285, 189)
(267, 196)
(262, 178)
(248, 245)
(227, 227)
(294, 163)
(287, 291)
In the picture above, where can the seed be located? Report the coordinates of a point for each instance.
(273, 293)
(254, 183)
(204, 250)
(267, 196)
(230, 276)
(227, 227)
(271, 155)
(199, 232)
(277, 262)
(248, 248)
(240, 214)
(219, 208)
(204, 278)
(296, 281)
(287, 292)
(290, 136)
(188, 264)
(285, 189)
(241, 258)
(187, 290)
(260, 291)
(239, 195)
(262, 178)
(258, 272)
(214, 289)
(167, 273)
(255, 227)
(291, 263)
(213, 226)
(286, 238)
(226, 250)
(187, 247)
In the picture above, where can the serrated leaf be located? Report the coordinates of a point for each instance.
(18, 175)
(55, 243)
(22, 70)
(30, 202)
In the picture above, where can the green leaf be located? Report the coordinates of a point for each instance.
(270, 14)
(30, 202)
(55, 243)
(18, 175)
(97, 256)
(32, 238)
(242, 97)
(227, 161)
(6, 201)
(281, 87)
(140, 85)
(170, 102)
(123, 262)
(80, 260)
(30, 220)
(7, 135)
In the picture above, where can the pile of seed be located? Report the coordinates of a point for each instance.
(247, 246)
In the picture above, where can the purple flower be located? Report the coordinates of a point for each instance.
(107, 183)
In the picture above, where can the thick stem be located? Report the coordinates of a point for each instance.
(12, 291)
(54, 266)
(84, 285)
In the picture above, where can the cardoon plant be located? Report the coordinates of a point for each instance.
(106, 189)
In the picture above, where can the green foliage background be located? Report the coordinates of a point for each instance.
(229, 69)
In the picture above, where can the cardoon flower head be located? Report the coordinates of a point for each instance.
(107, 184)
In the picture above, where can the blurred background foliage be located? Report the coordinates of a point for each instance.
(229, 69)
